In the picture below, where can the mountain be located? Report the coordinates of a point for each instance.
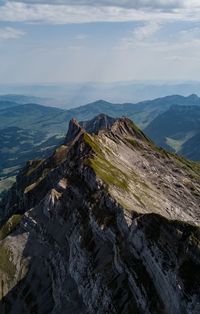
(4, 104)
(26, 132)
(109, 223)
(70, 95)
(142, 113)
(29, 116)
(21, 99)
(19, 145)
(191, 148)
(41, 128)
(36, 116)
(177, 130)
(98, 123)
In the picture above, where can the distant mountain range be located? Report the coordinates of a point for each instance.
(30, 130)
(69, 95)
(21, 99)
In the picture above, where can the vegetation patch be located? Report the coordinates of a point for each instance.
(191, 165)
(34, 165)
(9, 226)
(93, 143)
(134, 143)
(35, 184)
(6, 264)
(161, 151)
(188, 164)
(110, 174)
(60, 154)
(5, 185)
(134, 127)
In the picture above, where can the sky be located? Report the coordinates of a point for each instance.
(58, 41)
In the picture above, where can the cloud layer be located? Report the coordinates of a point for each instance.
(10, 33)
(65, 12)
(131, 4)
(161, 42)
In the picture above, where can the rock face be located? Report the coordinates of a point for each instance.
(100, 122)
(73, 131)
(108, 224)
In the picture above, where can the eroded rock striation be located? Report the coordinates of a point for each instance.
(108, 224)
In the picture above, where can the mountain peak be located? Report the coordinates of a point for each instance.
(120, 127)
(73, 130)
(101, 101)
(98, 123)
(125, 127)
(193, 96)
(194, 99)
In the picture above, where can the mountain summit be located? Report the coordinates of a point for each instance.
(73, 130)
(108, 224)
(98, 123)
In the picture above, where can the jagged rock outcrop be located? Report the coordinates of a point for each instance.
(108, 224)
(73, 130)
(101, 122)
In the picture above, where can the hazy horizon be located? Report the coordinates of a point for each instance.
(69, 95)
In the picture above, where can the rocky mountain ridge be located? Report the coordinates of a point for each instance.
(30, 131)
(108, 224)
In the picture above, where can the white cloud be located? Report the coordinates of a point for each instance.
(10, 33)
(63, 14)
(152, 39)
(128, 4)
(131, 4)
(93, 12)
(146, 31)
(141, 35)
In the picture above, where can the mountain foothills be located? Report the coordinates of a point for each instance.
(29, 130)
(109, 223)
(177, 130)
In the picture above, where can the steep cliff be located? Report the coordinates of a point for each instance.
(108, 224)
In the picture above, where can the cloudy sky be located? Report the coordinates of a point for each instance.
(44, 41)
